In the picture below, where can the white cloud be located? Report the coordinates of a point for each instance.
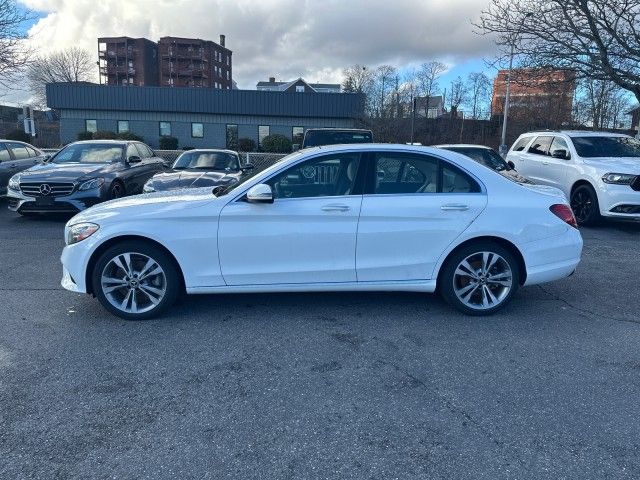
(315, 39)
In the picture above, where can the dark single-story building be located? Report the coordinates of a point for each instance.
(198, 117)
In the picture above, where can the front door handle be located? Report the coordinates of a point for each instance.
(454, 207)
(335, 207)
(13, 165)
(545, 163)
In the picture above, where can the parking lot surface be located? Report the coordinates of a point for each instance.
(308, 386)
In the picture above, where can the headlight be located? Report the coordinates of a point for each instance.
(91, 184)
(14, 183)
(80, 231)
(148, 188)
(619, 178)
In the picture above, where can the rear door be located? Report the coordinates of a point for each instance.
(414, 206)
(536, 159)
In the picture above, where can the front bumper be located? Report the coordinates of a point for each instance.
(72, 203)
(619, 197)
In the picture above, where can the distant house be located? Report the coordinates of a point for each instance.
(635, 117)
(300, 85)
(430, 107)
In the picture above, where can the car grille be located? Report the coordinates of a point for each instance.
(46, 189)
(636, 184)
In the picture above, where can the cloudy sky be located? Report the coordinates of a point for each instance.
(314, 39)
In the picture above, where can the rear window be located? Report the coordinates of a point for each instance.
(317, 138)
(521, 144)
(606, 146)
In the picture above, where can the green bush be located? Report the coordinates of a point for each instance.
(85, 136)
(246, 145)
(129, 136)
(168, 143)
(19, 135)
(276, 143)
(104, 135)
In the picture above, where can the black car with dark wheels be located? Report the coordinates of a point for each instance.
(83, 174)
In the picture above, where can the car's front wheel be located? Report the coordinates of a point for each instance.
(136, 280)
(584, 203)
(480, 278)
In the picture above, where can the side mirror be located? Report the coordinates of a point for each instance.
(248, 167)
(560, 153)
(512, 165)
(46, 158)
(134, 159)
(260, 193)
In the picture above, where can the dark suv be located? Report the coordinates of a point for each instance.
(316, 137)
(15, 157)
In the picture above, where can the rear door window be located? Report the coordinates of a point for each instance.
(540, 145)
(19, 151)
(4, 153)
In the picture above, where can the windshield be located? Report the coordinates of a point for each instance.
(222, 161)
(317, 138)
(223, 190)
(89, 153)
(484, 156)
(589, 147)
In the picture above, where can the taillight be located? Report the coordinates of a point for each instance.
(564, 213)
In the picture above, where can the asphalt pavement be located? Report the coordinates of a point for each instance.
(315, 386)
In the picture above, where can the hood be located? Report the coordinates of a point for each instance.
(191, 178)
(145, 205)
(67, 172)
(629, 165)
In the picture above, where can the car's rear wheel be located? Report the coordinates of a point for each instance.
(135, 280)
(480, 278)
(584, 203)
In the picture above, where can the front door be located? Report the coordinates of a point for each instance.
(414, 207)
(536, 159)
(307, 235)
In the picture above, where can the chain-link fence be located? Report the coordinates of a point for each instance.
(259, 160)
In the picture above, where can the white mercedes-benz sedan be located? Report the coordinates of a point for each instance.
(366, 217)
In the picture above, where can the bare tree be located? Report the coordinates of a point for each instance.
(383, 87)
(70, 65)
(599, 39)
(14, 52)
(427, 81)
(600, 104)
(459, 94)
(357, 79)
(479, 88)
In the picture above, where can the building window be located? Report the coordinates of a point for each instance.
(300, 88)
(91, 126)
(232, 137)
(123, 126)
(263, 131)
(297, 134)
(165, 129)
(197, 130)
(227, 74)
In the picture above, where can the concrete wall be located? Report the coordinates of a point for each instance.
(146, 124)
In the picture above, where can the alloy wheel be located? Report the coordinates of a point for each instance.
(133, 282)
(581, 204)
(482, 280)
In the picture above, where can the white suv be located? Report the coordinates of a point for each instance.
(599, 172)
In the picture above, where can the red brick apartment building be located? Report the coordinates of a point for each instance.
(536, 94)
(172, 62)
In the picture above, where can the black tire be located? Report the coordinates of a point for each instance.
(171, 280)
(448, 280)
(116, 190)
(585, 206)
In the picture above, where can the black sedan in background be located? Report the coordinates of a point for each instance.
(489, 158)
(199, 168)
(83, 174)
(15, 157)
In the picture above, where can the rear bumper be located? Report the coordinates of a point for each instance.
(552, 258)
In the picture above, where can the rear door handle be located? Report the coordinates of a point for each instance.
(13, 165)
(545, 163)
(335, 207)
(454, 207)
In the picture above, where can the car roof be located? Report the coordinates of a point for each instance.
(462, 145)
(210, 150)
(115, 142)
(575, 133)
(340, 129)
